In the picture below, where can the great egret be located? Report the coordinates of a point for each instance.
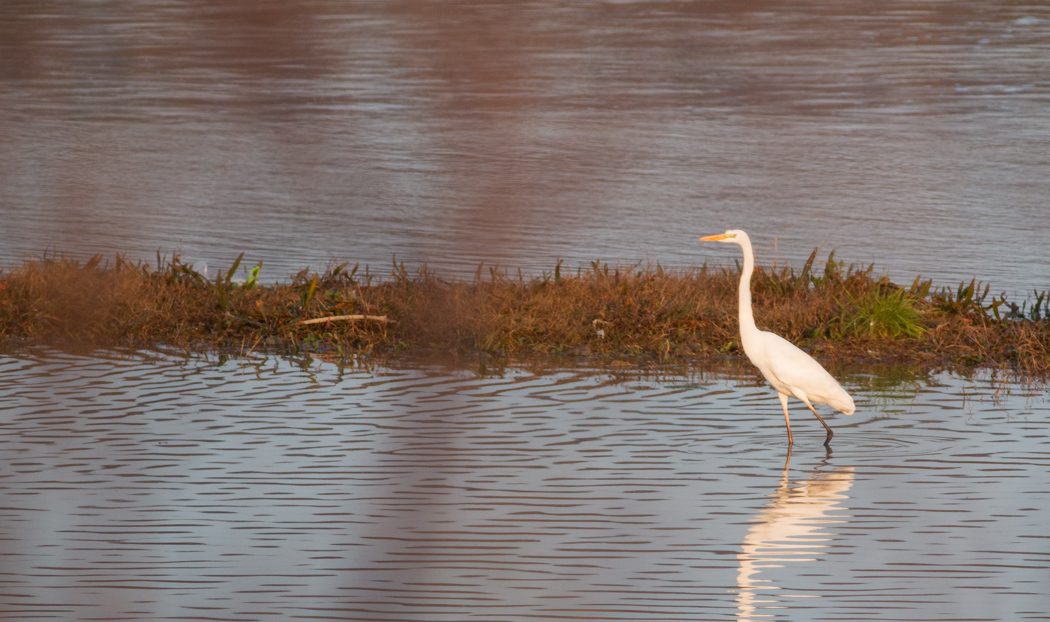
(790, 370)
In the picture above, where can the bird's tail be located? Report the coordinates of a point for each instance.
(843, 403)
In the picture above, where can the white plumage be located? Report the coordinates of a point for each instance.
(791, 371)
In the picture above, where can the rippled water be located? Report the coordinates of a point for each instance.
(910, 134)
(159, 487)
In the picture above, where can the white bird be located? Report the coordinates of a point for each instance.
(790, 370)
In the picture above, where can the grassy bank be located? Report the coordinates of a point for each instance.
(834, 311)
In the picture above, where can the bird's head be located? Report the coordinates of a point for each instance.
(733, 236)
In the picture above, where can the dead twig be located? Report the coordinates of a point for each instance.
(340, 318)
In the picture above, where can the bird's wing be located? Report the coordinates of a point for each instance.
(790, 367)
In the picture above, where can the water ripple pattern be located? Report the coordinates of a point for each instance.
(907, 134)
(158, 487)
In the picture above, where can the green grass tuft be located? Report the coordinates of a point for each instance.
(879, 314)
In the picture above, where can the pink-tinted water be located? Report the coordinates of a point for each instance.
(909, 134)
(158, 487)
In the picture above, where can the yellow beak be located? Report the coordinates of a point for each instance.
(715, 238)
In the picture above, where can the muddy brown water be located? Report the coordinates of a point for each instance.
(909, 134)
(155, 486)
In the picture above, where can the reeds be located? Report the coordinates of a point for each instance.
(836, 312)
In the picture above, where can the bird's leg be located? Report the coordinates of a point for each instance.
(787, 421)
(821, 420)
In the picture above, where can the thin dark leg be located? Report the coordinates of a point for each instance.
(821, 420)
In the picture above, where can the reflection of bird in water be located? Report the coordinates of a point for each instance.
(790, 370)
(790, 529)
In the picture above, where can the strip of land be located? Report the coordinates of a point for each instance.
(838, 313)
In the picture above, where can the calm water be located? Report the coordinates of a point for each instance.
(909, 134)
(159, 487)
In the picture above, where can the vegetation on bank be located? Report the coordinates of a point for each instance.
(833, 310)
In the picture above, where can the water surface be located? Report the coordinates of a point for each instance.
(161, 487)
(909, 134)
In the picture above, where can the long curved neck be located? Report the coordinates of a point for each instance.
(747, 318)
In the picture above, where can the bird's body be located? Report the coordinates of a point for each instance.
(788, 369)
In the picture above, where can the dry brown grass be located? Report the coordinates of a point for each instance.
(840, 313)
